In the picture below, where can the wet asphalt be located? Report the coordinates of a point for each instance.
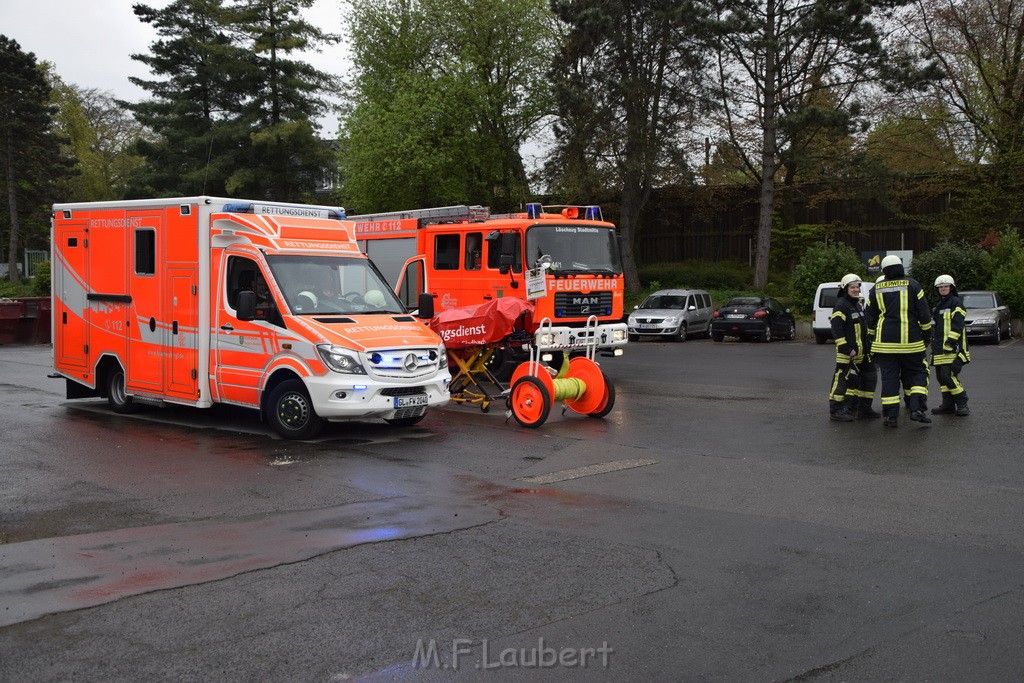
(714, 526)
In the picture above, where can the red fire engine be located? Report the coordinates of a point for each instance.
(564, 259)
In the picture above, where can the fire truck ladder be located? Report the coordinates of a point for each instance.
(441, 214)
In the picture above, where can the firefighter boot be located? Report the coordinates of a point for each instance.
(961, 405)
(864, 408)
(947, 407)
(846, 411)
(891, 421)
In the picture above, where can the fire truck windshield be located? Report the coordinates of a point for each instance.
(315, 285)
(574, 248)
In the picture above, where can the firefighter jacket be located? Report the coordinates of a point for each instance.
(950, 341)
(898, 317)
(849, 329)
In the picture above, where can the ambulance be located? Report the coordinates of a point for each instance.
(564, 259)
(270, 306)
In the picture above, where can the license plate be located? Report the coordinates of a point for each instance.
(647, 327)
(410, 401)
(735, 316)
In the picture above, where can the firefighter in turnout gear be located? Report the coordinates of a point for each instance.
(853, 382)
(900, 328)
(949, 347)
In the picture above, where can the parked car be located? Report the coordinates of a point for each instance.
(752, 316)
(671, 313)
(988, 317)
(824, 302)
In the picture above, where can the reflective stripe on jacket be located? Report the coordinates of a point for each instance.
(898, 317)
(949, 340)
(849, 329)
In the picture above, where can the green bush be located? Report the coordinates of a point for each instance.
(1009, 282)
(823, 262)
(41, 280)
(697, 275)
(968, 264)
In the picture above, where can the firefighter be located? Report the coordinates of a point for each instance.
(900, 330)
(949, 347)
(853, 382)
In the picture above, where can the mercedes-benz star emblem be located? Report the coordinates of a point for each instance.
(410, 362)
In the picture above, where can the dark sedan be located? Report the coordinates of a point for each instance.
(762, 318)
(988, 317)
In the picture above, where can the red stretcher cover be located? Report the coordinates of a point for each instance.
(484, 323)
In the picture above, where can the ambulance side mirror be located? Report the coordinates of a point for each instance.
(426, 306)
(245, 308)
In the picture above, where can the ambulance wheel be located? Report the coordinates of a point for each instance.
(290, 411)
(118, 398)
(609, 399)
(530, 401)
(405, 421)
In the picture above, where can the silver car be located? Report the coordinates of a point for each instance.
(988, 317)
(673, 314)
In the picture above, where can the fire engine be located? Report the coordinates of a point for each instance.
(565, 259)
(204, 300)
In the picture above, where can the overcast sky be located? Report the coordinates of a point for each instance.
(90, 41)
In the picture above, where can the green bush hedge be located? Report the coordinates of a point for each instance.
(823, 262)
(967, 263)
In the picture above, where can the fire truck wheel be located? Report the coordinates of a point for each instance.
(291, 413)
(530, 401)
(119, 400)
(608, 402)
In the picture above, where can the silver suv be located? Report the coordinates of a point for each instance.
(674, 314)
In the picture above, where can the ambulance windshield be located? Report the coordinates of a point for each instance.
(574, 248)
(317, 285)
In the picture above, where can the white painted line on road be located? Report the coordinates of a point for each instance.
(588, 471)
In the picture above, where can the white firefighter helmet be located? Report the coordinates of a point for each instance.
(849, 279)
(891, 260)
(880, 277)
(945, 280)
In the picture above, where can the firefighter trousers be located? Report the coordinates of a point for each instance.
(909, 370)
(949, 381)
(850, 381)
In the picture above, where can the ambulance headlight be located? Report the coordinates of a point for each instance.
(340, 359)
(442, 357)
(618, 335)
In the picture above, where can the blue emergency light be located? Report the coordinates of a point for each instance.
(534, 210)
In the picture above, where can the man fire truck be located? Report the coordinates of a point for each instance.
(203, 300)
(565, 259)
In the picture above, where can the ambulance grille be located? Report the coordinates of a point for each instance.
(401, 363)
(578, 304)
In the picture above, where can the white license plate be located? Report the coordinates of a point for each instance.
(648, 327)
(410, 401)
(735, 316)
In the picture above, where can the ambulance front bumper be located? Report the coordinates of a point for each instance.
(338, 397)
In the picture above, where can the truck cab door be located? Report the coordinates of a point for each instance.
(412, 281)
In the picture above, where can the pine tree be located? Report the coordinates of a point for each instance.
(286, 157)
(30, 158)
(200, 83)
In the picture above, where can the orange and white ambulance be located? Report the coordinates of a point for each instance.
(203, 300)
(564, 259)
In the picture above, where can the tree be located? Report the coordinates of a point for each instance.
(99, 134)
(30, 158)
(787, 73)
(628, 83)
(979, 46)
(285, 157)
(438, 116)
(201, 80)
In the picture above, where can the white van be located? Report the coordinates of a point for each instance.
(824, 302)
